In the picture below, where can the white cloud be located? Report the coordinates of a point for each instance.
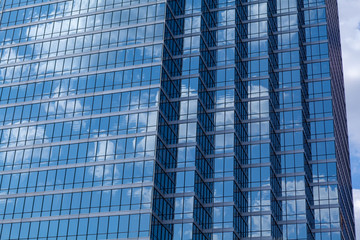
(356, 196)
(350, 38)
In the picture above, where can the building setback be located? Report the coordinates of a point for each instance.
(164, 119)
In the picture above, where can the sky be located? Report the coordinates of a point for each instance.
(350, 40)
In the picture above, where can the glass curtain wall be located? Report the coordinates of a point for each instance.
(173, 119)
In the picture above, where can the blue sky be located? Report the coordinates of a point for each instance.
(350, 39)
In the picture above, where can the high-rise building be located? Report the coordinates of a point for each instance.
(173, 119)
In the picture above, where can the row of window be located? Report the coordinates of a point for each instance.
(293, 186)
(327, 218)
(294, 210)
(17, 3)
(58, 10)
(288, 40)
(318, 70)
(296, 231)
(223, 217)
(224, 143)
(11, 16)
(258, 88)
(226, 56)
(288, 79)
(324, 172)
(322, 129)
(183, 231)
(259, 48)
(319, 89)
(185, 157)
(76, 203)
(225, 167)
(83, 43)
(313, 3)
(258, 109)
(80, 85)
(81, 129)
(224, 120)
(291, 119)
(259, 130)
(77, 153)
(316, 33)
(259, 153)
(190, 65)
(184, 208)
(191, 44)
(328, 235)
(81, 64)
(257, 29)
(192, 24)
(284, 6)
(225, 36)
(260, 67)
(317, 51)
(188, 110)
(187, 132)
(287, 22)
(260, 226)
(225, 98)
(114, 227)
(223, 191)
(259, 176)
(225, 3)
(226, 77)
(291, 98)
(185, 181)
(80, 177)
(292, 140)
(315, 16)
(320, 109)
(257, 68)
(226, 17)
(325, 194)
(322, 150)
(257, 10)
(116, 102)
(288, 59)
(75, 25)
(291, 163)
(259, 201)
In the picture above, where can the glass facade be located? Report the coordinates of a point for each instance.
(173, 119)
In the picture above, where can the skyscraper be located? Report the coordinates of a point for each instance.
(173, 119)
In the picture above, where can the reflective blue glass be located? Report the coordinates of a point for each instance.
(172, 119)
